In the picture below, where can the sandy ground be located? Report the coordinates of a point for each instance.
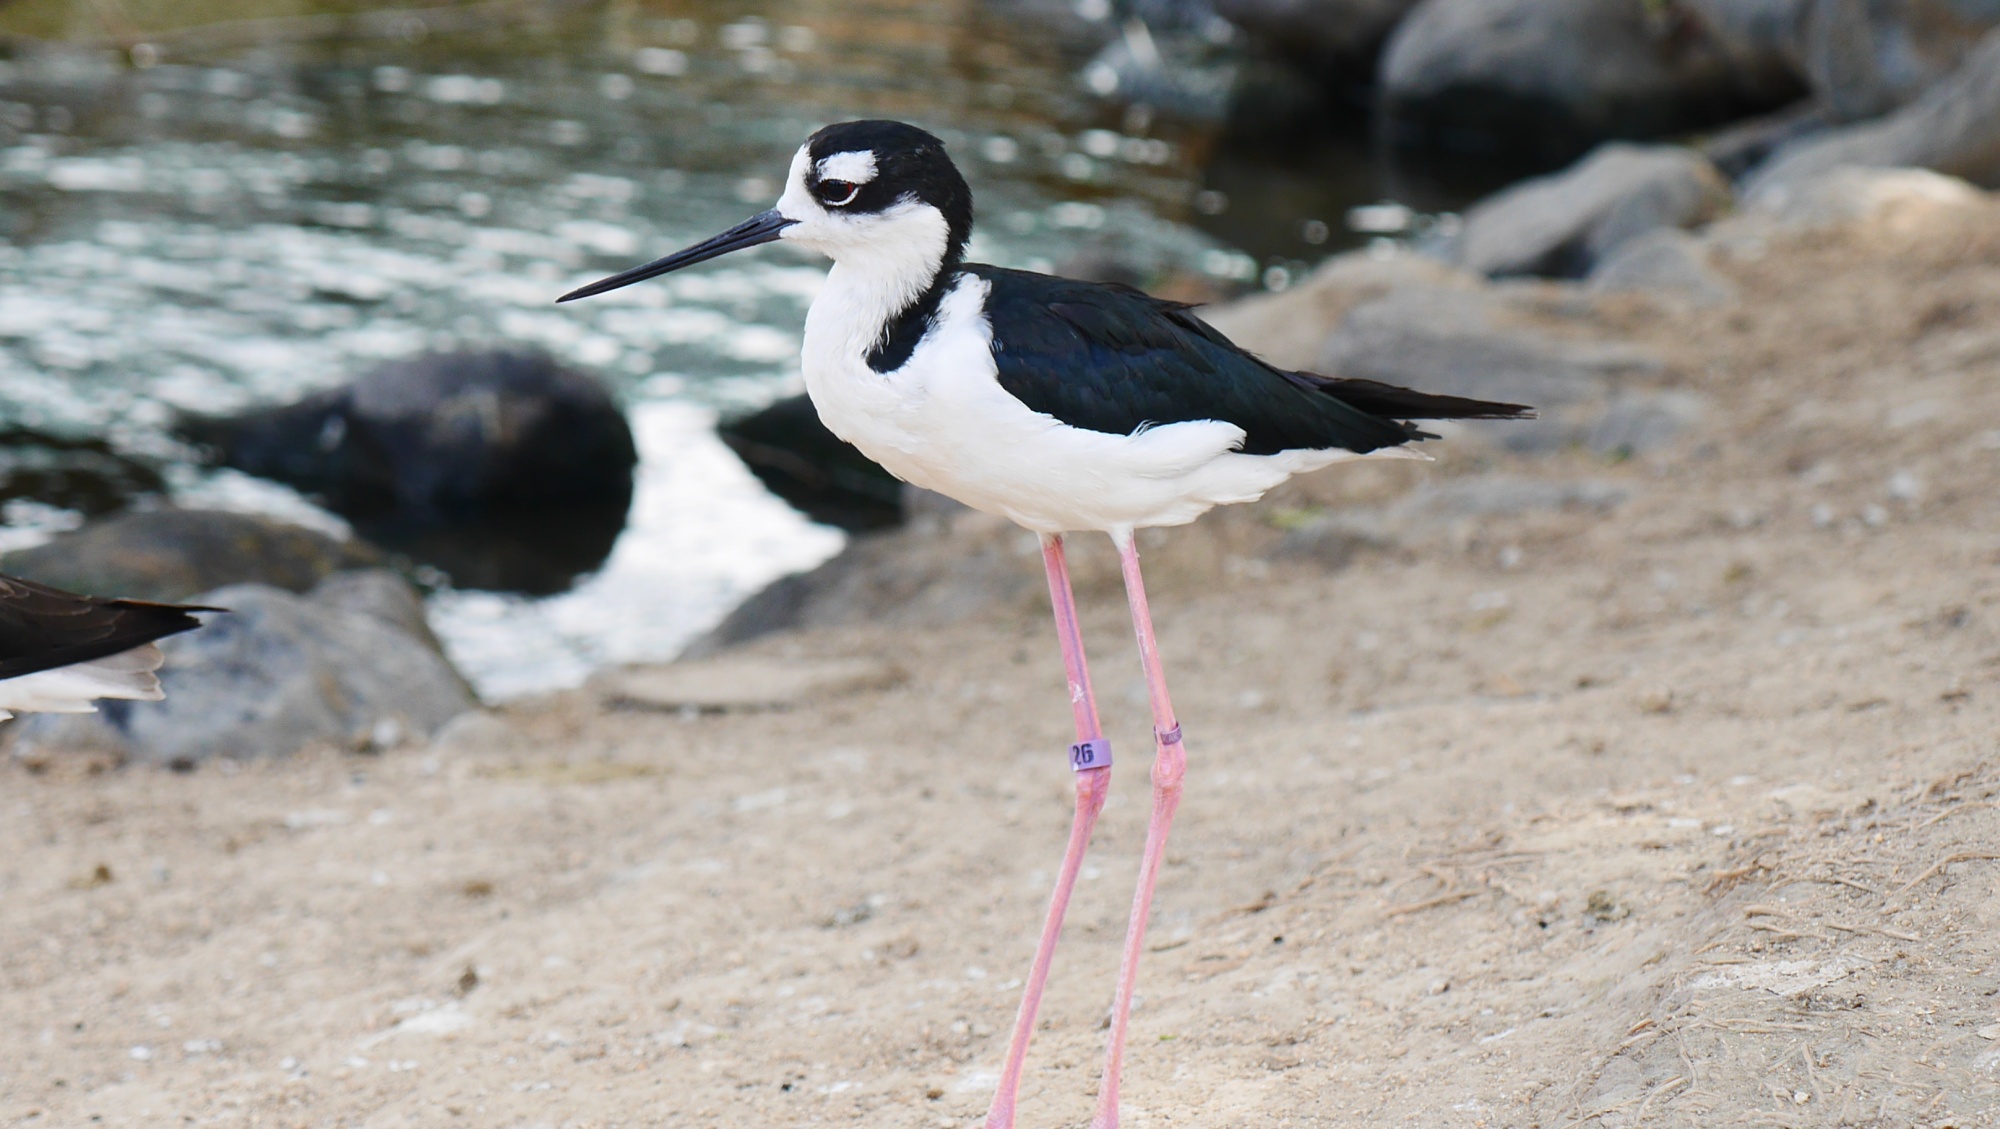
(1687, 813)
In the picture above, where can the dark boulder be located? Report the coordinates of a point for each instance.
(1555, 77)
(173, 554)
(506, 470)
(449, 434)
(819, 474)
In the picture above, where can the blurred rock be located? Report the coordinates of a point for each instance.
(173, 554)
(1181, 67)
(822, 476)
(506, 470)
(1954, 128)
(1845, 195)
(1747, 144)
(382, 595)
(1554, 77)
(1290, 328)
(1470, 343)
(1562, 225)
(1323, 36)
(278, 673)
(1868, 57)
(1668, 263)
(84, 475)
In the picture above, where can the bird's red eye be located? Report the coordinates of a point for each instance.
(838, 192)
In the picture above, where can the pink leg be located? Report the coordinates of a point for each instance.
(1092, 785)
(1169, 766)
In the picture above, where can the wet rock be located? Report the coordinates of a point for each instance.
(1668, 263)
(86, 475)
(1468, 343)
(1563, 225)
(278, 673)
(173, 554)
(504, 469)
(1953, 128)
(819, 474)
(1554, 77)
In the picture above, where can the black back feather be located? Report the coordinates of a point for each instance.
(1108, 358)
(42, 628)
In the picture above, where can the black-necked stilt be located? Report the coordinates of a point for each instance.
(59, 651)
(1061, 405)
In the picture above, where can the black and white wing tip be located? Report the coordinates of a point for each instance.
(60, 652)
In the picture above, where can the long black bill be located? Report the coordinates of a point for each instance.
(760, 228)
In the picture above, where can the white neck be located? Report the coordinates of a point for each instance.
(874, 279)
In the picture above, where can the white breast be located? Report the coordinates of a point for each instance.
(943, 422)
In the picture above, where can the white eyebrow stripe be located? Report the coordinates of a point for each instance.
(854, 167)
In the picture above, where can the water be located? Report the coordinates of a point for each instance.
(218, 216)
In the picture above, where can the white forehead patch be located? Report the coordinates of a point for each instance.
(854, 167)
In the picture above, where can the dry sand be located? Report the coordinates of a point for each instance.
(1687, 813)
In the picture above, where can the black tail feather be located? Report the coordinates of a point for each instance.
(42, 628)
(1392, 402)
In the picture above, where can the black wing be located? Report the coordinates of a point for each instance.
(42, 628)
(1109, 358)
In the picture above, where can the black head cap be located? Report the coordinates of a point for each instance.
(909, 163)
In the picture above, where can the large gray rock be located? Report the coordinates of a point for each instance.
(1562, 225)
(1469, 343)
(278, 673)
(1954, 128)
(173, 554)
(1552, 77)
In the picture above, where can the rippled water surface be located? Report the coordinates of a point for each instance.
(220, 215)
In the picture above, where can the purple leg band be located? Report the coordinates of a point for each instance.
(1170, 737)
(1095, 753)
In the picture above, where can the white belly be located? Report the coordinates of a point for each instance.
(943, 422)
